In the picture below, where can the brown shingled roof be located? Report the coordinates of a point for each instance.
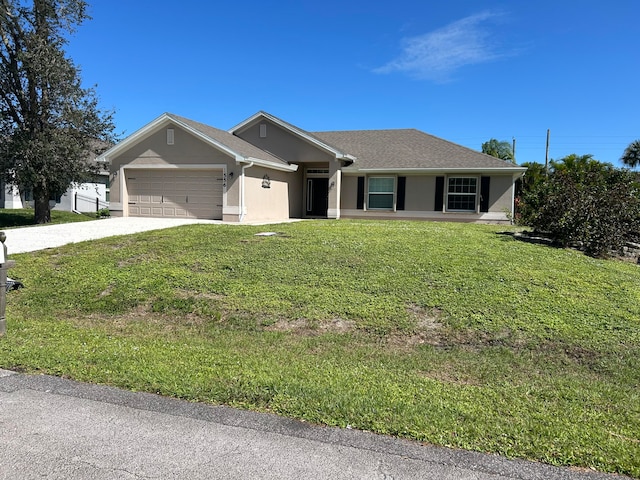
(407, 149)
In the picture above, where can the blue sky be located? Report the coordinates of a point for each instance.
(466, 71)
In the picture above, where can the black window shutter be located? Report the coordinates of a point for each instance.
(360, 200)
(484, 193)
(438, 204)
(402, 187)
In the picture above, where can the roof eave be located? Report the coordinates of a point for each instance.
(265, 163)
(506, 170)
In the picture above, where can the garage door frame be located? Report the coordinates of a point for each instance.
(168, 167)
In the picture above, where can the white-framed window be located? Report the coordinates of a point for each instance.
(380, 193)
(462, 194)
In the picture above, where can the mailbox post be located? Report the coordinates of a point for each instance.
(5, 264)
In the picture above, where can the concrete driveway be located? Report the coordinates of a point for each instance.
(39, 237)
(29, 239)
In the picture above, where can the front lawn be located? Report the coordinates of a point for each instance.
(451, 334)
(24, 217)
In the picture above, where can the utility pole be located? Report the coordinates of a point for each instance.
(546, 156)
(513, 150)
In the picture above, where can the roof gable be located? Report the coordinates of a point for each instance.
(303, 134)
(241, 151)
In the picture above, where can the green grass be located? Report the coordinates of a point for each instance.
(24, 217)
(451, 334)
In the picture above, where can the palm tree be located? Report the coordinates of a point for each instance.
(631, 156)
(575, 163)
(498, 149)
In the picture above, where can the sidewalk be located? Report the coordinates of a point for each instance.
(60, 429)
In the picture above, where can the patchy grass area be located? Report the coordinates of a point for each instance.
(450, 334)
(24, 217)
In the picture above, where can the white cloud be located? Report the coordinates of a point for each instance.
(436, 55)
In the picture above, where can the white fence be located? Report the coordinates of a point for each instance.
(83, 203)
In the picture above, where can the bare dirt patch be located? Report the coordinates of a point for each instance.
(304, 326)
(428, 329)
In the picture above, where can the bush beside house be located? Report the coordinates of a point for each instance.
(582, 203)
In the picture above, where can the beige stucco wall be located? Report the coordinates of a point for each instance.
(284, 144)
(296, 199)
(420, 200)
(349, 194)
(500, 198)
(266, 203)
(420, 193)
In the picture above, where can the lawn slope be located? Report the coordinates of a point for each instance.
(452, 334)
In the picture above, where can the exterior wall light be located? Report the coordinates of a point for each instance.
(266, 182)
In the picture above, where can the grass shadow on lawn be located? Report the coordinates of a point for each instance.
(24, 217)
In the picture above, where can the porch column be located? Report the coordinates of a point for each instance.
(335, 181)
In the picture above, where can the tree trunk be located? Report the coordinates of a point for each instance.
(42, 208)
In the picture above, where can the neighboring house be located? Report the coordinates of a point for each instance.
(83, 197)
(267, 169)
(79, 197)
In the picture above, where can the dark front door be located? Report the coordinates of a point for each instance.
(317, 197)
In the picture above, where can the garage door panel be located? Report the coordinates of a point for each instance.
(200, 199)
(189, 194)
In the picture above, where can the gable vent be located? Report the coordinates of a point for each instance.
(170, 136)
(263, 130)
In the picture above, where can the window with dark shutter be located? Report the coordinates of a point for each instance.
(360, 198)
(484, 193)
(402, 186)
(380, 193)
(439, 198)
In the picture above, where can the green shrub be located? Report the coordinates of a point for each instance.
(595, 207)
(103, 212)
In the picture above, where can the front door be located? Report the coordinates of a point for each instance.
(317, 197)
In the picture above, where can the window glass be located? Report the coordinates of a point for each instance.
(461, 193)
(381, 193)
(381, 184)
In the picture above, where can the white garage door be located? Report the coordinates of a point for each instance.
(175, 193)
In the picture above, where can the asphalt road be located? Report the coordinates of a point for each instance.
(60, 429)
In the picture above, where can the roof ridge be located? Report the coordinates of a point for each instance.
(369, 130)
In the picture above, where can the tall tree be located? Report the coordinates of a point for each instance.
(49, 124)
(631, 155)
(498, 149)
